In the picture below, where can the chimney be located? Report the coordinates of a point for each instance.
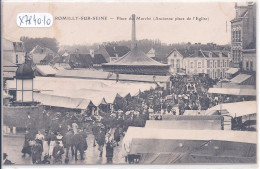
(133, 45)
(220, 54)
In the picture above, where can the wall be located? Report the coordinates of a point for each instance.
(16, 116)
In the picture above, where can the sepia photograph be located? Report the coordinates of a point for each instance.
(129, 83)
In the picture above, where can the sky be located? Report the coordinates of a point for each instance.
(68, 32)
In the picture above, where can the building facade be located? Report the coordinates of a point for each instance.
(175, 60)
(14, 52)
(249, 60)
(243, 32)
(213, 63)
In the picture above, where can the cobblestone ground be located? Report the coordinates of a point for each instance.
(12, 145)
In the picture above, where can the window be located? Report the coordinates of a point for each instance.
(191, 64)
(211, 65)
(239, 35)
(218, 63)
(225, 64)
(199, 64)
(178, 63)
(247, 65)
(172, 62)
(218, 73)
(208, 64)
(251, 66)
(174, 54)
(16, 59)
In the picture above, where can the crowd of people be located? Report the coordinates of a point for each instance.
(65, 133)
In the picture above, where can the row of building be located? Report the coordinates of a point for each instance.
(213, 63)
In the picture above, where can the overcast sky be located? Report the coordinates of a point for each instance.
(86, 32)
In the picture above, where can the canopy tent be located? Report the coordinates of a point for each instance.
(182, 158)
(232, 70)
(60, 101)
(241, 144)
(185, 124)
(194, 112)
(103, 102)
(90, 74)
(45, 70)
(172, 117)
(240, 79)
(236, 109)
(94, 90)
(232, 91)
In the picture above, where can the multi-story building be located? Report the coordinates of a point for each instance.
(13, 55)
(14, 52)
(249, 60)
(243, 32)
(213, 63)
(175, 60)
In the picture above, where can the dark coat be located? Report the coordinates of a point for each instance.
(67, 139)
(100, 137)
(110, 150)
(37, 152)
(117, 135)
(57, 152)
(78, 141)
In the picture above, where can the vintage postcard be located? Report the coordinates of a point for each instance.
(128, 83)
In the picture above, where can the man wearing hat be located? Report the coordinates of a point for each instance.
(5, 160)
(57, 153)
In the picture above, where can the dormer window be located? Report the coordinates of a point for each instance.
(210, 54)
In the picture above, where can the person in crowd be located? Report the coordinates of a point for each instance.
(6, 161)
(59, 138)
(36, 152)
(83, 133)
(26, 145)
(39, 136)
(28, 121)
(78, 142)
(52, 142)
(95, 130)
(100, 138)
(68, 144)
(46, 144)
(110, 150)
(58, 151)
(117, 135)
(75, 127)
(45, 160)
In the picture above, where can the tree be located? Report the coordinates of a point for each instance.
(30, 43)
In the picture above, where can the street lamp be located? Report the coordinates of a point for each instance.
(24, 84)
